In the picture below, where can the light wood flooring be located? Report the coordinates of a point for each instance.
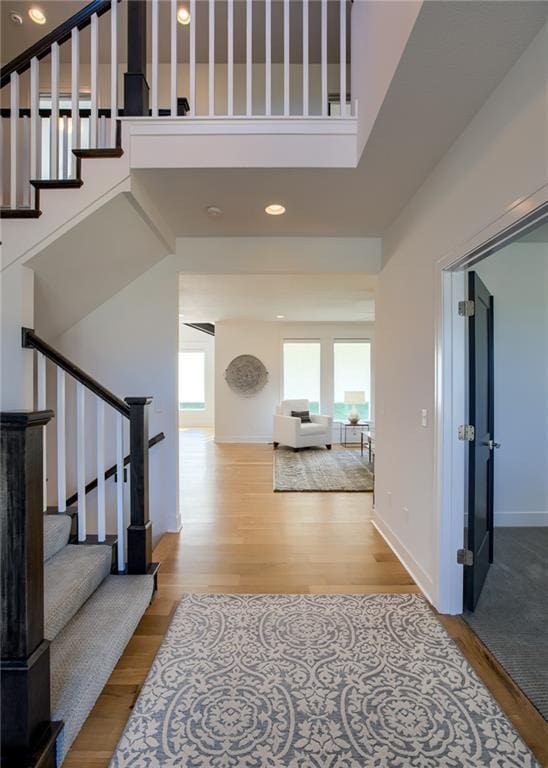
(239, 536)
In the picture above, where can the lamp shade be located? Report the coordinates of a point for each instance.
(356, 397)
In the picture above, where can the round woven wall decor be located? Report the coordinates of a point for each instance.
(246, 375)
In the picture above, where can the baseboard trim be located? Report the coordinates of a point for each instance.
(521, 519)
(417, 573)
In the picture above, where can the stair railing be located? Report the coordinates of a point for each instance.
(138, 558)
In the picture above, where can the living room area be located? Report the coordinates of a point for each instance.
(285, 361)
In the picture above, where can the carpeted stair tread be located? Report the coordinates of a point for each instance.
(70, 577)
(84, 654)
(56, 533)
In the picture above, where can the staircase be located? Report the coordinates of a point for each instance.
(71, 599)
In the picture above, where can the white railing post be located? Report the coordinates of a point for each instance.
(61, 442)
(114, 71)
(324, 58)
(249, 58)
(192, 63)
(173, 84)
(154, 63)
(268, 57)
(75, 93)
(65, 166)
(286, 58)
(14, 123)
(342, 57)
(94, 66)
(81, 459)
(34, 116)
(120, 528)
(101, 509)
(211, 67)
(305, 59)
(54, 120)
(230, 58)
(41, 405)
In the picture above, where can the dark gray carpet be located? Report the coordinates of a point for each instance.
(511, 617)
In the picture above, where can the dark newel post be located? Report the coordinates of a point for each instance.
(25, 665)
(139, 534)
(135, 82)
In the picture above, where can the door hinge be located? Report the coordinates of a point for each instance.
(467, 432)
(467, 308)
(465, 557)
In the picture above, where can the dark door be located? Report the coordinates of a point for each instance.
(481, 448)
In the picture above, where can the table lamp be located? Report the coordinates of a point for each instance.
(354, 398)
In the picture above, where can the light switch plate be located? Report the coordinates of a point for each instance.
(424, 417)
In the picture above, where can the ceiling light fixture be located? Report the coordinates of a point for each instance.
(16, 18)
(275, 209)
(183, 16)
(38, 16)
(280, 317)
(214, 212)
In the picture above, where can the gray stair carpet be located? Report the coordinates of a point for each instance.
(70, 577)
(84, 654)
(56, 533)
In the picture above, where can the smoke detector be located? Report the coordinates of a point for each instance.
(16, 18)
(213, 212)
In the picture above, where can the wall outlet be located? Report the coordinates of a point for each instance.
(424, 417)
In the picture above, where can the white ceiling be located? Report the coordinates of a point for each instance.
(16, 38)
(301, 298)
(457, 54)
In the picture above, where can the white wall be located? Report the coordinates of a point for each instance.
(191, 339)
(249, 419)
(517, 276)
(499, 158)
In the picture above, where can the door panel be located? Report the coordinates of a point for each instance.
(480, 458)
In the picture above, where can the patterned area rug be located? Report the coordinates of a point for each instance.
(317, 469)
(314, 681)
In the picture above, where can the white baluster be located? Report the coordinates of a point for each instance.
(54, 120)
(113, 71)
(65, 149)
(14, 120)
(286, 58)
(154, 63)
(211, 68)
(101, 509)
(268, 57)
(305, 59)
(61, 442)
(342, 57)
(249, 58)
(26, 175)
(173, 99)
(41, 405)
(192, 63)
(120, 528)
(75, 92)
(34, 117)
(230, 58)
(81, 459)
(103, 131)
(94, 66)
(324, 57)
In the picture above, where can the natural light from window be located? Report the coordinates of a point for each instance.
(192, 381)
(352, 373)
(301, 362)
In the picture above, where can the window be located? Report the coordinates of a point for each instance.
(301, 363)
(192, 380)
(352, 373)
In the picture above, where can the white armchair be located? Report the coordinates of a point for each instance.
(289, 430)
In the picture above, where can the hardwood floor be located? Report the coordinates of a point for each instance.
(239, 536)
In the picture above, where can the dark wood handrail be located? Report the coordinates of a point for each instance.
(112, 470)
(32, 341)
(59, 35)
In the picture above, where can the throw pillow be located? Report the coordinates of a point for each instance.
(304, 416)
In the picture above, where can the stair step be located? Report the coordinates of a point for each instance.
(20, 213)
(94, 153)
(57, 528)
(70, 577)
(84, 654)
(56, 183)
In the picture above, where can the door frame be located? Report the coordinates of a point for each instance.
(450, 467)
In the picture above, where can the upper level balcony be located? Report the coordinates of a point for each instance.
(178, 83)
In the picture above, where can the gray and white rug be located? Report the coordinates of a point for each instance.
(314, 681)
(317, 469)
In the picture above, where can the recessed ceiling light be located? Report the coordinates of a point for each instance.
(214, 211)
(38, 16)
(275, 209)
(183, 16)
(16, 18)
(280, 317)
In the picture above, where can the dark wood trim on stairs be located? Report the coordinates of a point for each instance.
(56, 183)
(136, 90)
(91, 154)
(208, 328)
(139, 532)
(183, 108)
